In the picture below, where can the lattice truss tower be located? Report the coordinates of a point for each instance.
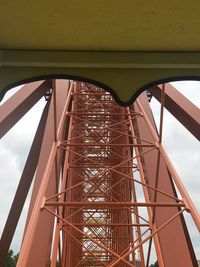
(105, 192)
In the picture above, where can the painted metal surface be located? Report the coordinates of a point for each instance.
(114, 25)
(21, 102)
(178, 233)
(124, 74)
(22, 190)
(181, 108)
(86, 207)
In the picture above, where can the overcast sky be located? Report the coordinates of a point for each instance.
(182, 148)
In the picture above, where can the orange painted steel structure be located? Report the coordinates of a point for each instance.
(104, 188)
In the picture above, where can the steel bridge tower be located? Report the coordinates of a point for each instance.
(105, 192)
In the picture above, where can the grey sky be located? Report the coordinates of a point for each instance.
(182, 148)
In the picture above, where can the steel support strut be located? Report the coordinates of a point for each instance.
(180, 107)
(23, 189)
(104, 186)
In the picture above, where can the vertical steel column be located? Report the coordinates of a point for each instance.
(36, 245)
(181, 239)
(95, 236)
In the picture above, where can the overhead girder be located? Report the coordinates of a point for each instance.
(124, 74)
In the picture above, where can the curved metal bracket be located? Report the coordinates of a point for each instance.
(124, 74)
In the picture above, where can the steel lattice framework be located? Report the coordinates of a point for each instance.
(104, 188)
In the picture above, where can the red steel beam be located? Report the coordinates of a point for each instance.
(82, 144)
(39, 223)
(115, 204)
(23, 188)
(85, 185)
(180, 107)
(165, 183)
(16, 106)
